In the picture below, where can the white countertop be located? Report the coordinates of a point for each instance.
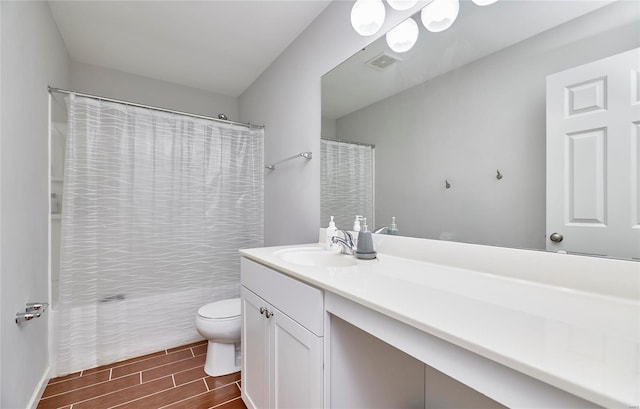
(582, 342)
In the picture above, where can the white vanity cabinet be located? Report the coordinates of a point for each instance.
(282, 340)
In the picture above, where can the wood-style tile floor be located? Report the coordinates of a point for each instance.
(171, 379)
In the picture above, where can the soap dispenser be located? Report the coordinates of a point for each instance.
(331, 232)
(393, 229)
(365, 250)
(356, 224)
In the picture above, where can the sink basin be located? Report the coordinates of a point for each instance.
(316, 257)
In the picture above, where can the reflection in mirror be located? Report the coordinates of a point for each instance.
(484, 96)
(347, 170)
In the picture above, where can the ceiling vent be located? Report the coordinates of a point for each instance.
(383, 61)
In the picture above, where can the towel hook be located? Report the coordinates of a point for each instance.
(447, 185)
(499, 175)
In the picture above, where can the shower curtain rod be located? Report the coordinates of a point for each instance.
(171, 111)
(370, 145)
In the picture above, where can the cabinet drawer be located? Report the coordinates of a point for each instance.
(301, 302)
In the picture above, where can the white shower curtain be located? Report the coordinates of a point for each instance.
(156, 206)
(346, 183)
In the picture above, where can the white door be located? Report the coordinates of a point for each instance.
(255, 351)
(593, 144)
(296, 365)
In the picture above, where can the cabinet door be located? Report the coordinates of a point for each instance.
(255, 351)
(296, 364)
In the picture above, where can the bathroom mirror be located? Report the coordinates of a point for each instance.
(457, 129)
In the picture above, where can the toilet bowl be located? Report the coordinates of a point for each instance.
(219, 323)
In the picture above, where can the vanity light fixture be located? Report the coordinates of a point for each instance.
(484, 2)
(367, 16)
(404, 4)
(439, 15)
(404, 36)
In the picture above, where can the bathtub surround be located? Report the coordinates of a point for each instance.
(33, 56)
(155, 207)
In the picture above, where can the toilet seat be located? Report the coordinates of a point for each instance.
(221, 310)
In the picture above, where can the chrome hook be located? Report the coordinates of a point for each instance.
(447, 185)
(499, 175)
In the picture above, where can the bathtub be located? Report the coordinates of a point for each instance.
(122, 326)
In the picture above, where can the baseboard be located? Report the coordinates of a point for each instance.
(37, 393)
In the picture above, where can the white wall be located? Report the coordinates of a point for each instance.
(286, 99)
(120, 85)
(33, 56)
(464, 125)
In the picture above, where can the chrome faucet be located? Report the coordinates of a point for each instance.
(348, 244)
(381, 229)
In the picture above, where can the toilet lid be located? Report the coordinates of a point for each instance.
(221, 309)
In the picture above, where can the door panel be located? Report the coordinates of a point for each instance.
(585, 173)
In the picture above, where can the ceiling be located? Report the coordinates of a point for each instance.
(477, 32)
(218, 46)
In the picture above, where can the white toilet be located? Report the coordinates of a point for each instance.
(219, 322)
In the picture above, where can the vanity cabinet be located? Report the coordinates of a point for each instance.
(282, 340)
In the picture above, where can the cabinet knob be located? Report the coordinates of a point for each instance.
(268, 314)
(263, 310)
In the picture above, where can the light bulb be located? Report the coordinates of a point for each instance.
(484, 2)
(403, 4)
(367, 16)
(402, 37)
(440, 14)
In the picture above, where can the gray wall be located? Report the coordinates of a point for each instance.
(328, 128)
(464, 125)
(33, 56)
(115, 84)
(286, 99)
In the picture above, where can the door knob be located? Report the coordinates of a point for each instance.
(262, 310)
(556, 237)
(268, 314)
